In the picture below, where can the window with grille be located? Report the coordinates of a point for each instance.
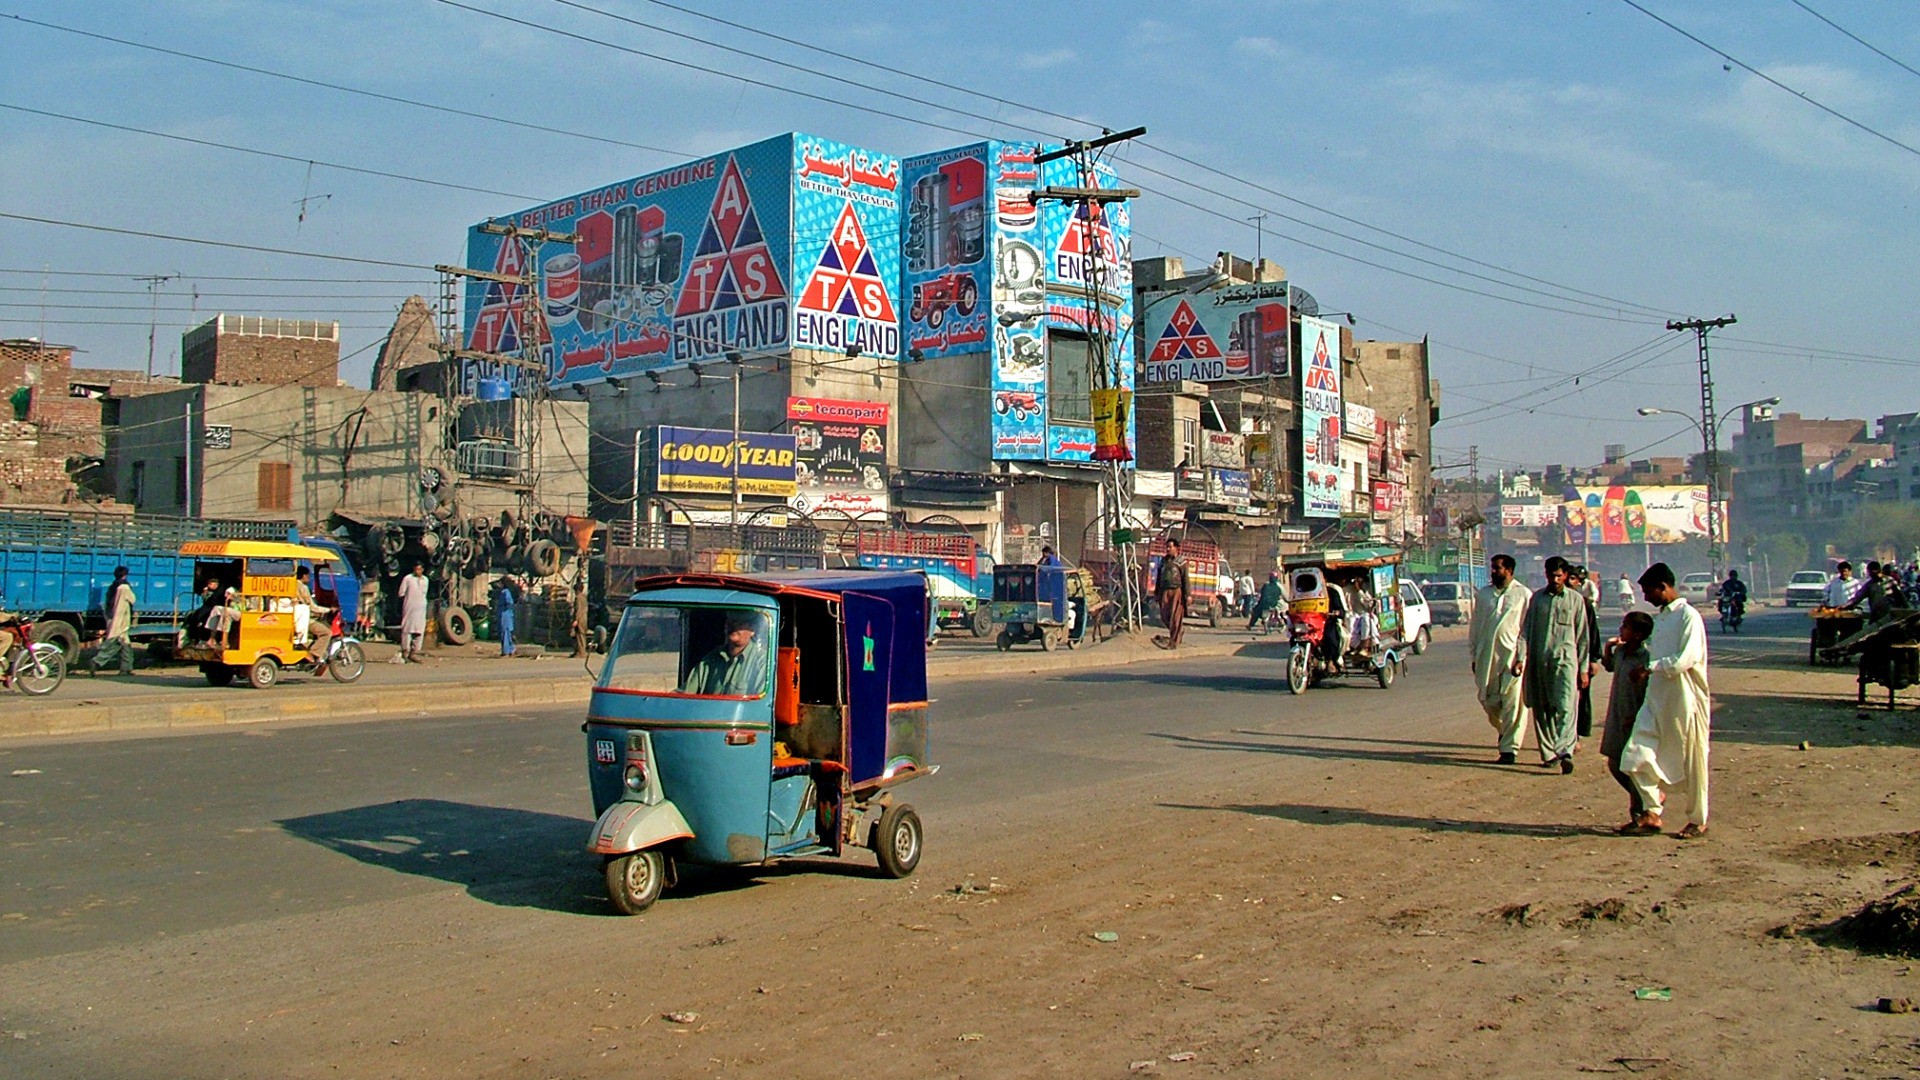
(275, 488)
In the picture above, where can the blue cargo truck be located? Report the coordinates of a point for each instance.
(55, 567)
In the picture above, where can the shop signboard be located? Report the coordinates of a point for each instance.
(1233, 487)
(1223, 450)
(1388, 498)
(839, 454)
(1321, 493)
(1528, 516)
(702, 461)
(1236, 332)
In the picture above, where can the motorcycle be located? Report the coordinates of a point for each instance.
(1733, 612)
(32, 667)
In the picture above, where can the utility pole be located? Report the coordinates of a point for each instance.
(1473, 486)
(1117, 483)
(153, 281)
(1709, 430)
(1259, 242)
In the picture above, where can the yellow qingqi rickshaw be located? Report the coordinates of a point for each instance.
(254, 625)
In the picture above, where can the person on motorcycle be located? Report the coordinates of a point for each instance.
(1733, 597)
(319, 619)
(1270, 599)
(8, 620)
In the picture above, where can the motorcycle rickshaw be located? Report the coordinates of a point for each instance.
(740, 720)
(259, 631)
(1325, 590)
(1057, 606)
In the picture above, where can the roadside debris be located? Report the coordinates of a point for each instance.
(1107, 936)
(681, 1017)
(1895, 1005)
(1653, 993)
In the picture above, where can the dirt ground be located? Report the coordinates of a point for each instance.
(1400, 907)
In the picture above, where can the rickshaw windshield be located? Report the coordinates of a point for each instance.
(698, 650)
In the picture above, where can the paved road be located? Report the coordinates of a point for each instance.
(228, 843)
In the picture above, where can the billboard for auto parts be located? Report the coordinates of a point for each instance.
(790, 242)
(704, 460)
(1320, 417)
(1236, 332)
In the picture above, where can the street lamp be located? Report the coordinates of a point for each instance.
(1712, 467)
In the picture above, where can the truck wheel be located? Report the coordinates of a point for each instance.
(456, 626)
(1422, 641)
(60, 633)
(981, 623)
(634, 880)
(1213, 613)
(896, 840)
(217, 674)
(264, 673)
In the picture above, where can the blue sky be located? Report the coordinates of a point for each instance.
(1584, 145)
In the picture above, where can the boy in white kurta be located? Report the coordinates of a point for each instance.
(1668, 748)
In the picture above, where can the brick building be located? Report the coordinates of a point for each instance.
(239, 350)
(50, 436)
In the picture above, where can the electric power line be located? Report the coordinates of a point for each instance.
(211, 243)
(1757, 73)
(1876, 50)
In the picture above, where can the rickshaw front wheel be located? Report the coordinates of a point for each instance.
(634, 880)
(264, 673)
(349, 662)
(896, 840)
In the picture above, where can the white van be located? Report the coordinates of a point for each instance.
(1416, 619)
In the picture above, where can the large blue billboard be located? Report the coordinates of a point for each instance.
(756, 250)
(944, 252)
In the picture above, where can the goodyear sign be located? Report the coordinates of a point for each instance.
(704, 460)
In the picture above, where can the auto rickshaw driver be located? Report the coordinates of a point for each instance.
(319, 619)
(737, 667)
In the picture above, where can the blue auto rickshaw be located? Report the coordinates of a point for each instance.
(744, 719)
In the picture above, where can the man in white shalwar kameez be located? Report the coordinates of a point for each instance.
(1668, 748)
(1494, 642)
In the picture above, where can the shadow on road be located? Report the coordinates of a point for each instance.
(1308, 814)
(1306, 746)
(515, 858)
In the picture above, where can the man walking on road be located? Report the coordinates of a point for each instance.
(114, 643)
(413, 613)
(1557, 658)
(1270, 599)
(1171, 589)
(1590, 589)
(1668, 748)
(1493, 642)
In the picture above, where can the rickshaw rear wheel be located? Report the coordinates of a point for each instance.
(217, 674)
(264, 673)
(896, 840)
(635, 880)
(1004, 641)
(1385, 672)
(1048, 642)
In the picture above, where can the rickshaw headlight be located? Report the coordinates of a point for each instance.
(636, 779)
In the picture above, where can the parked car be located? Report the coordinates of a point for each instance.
(1449, 602)
(1416, 618)
(1807, 587)
(1699, 588)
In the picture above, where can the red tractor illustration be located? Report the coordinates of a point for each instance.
(931, 299)
(1020, 403)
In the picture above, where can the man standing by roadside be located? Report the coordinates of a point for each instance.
(1170, 587)
(1668, 748)
(1493, 642)
(114, 643)
(1557, 660)
(1247, 597)
(413, 613)
(1840, 589)
(504, 604)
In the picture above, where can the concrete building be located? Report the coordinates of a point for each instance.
(1773, 455)
(305, 452)
(1395, 379)
(241, 350)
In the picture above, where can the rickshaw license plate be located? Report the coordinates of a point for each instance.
(605, 752)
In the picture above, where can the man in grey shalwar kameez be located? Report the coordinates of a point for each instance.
(1558, 654)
